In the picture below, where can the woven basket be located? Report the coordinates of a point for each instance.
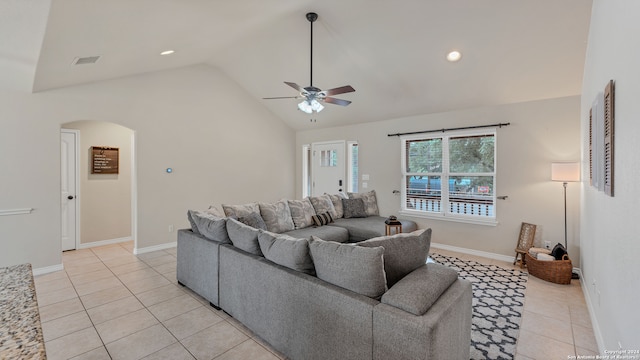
(557, 271)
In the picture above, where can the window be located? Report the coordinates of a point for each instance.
(352, 166)
(450, 176)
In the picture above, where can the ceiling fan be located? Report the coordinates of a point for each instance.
(313, 97)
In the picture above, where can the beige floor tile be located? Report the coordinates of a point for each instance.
(95, 354)
(125, 325)
(83, 269)
(214, 340)
(268, 346)
(166, 267)
(172, 352)
(142, 285)
(130, 267)
(171, 276)
(94, 286)
(78, 279)
(522, 357)
(151, 255)
(73, 344)
(104, 296)
(76, 262)
(114, 309)
(60, 309)
(585, 352)
(160, 294)
(76, 254)
(547, 307)
(53, 285)
(547, 326)
(583, 337)
(191, 322)
(164, 259)
(120, 260)
(174, 307)
(173, 251)
(248, 350)
(56, 275)
(56, 296)
(580, 315)
(537, 346)
(65, 325)
(141, 344)
(137, 275)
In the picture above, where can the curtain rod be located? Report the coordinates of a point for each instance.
(451, 129)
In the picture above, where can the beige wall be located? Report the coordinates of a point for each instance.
(609, 225)
(105, 199)
(222, 146)
(540, 132)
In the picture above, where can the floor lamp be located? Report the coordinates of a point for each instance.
(565, 172)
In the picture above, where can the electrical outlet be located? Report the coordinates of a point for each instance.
(364, 185)
(547, 244)
(170, 228)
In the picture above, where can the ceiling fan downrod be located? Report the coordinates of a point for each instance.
(311, 17)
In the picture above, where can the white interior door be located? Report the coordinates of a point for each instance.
(328, 168)
(68, 188)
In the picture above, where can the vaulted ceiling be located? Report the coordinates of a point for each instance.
(391, 52)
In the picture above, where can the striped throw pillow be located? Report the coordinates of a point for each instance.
(322, 219)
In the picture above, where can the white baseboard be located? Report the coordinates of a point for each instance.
(594, 321)
(104, 242)
(473, 252)
(47, 269)
(147, 249)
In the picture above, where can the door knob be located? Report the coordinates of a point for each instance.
(70, 197)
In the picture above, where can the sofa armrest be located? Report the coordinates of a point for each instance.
(443, 332)
(420, 289)
(198, 264)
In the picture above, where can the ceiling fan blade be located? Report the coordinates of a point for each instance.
(281, 97)
(339, 90)
(335, 101)
(295, 86)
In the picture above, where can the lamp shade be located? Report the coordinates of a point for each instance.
(565, 171)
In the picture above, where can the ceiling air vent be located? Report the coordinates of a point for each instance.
(86, 60)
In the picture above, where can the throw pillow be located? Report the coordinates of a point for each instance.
(244, 237)
(558, 251)
(403, 253)
(356, 268)
(194, 226)
(354, 208)
(240, 210)
(301, 213)
(419, 290)
(277, 216)
(370, 201)
(253, 220)
(337, 204)
(323, 204)
(322, 219)
(210, 226)
(286, 251)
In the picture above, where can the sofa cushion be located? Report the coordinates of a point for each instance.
(328, 233)
(214, 210)
(356, 268)
(416, 292)
(370, 201)
(322, 219)
(286, 251)
(208, 225)
(239, 211)
(301, 213)
(337, 204)
(403, 253)
(244, 237)
(354, 208)
(323, 204)
(277, 216)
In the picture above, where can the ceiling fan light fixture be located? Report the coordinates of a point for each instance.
(454, 56)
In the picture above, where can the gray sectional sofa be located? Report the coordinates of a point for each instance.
(374, 298)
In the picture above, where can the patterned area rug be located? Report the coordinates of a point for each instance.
(498, 299)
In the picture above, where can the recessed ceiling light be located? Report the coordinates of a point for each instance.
(167, 52)
(454, 56)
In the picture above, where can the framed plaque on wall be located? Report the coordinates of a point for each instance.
(104, 160)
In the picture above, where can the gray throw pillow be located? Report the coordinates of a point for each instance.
(209, 226)
(286, 251)
(253, 220)
(353, 208)
(370, 201)
(403, 253)
(239, 211)
(301, 213)
(337, 204)
(356, 268)
(244, 237)
(419, 290)
(323, 204)
(277, 216)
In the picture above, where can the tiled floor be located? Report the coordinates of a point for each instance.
(108, 303)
